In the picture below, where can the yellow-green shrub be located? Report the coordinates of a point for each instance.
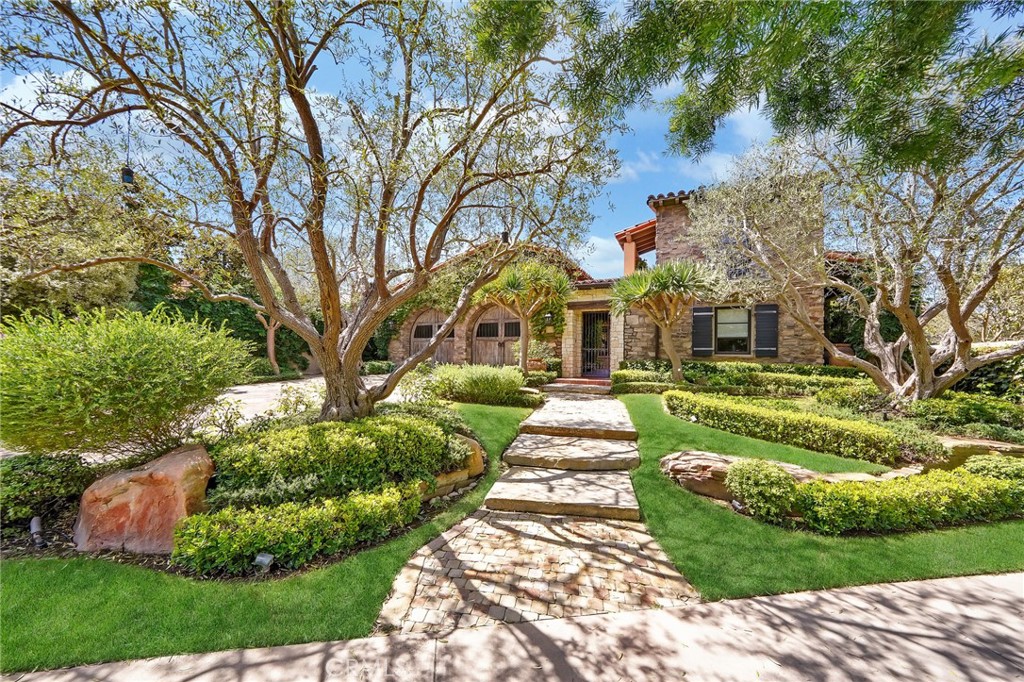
(764, 488)
(997, 466)
(938, 498)
(227, 542)
(844, 438)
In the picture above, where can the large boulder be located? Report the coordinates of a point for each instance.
(704, 472)
(136, 510)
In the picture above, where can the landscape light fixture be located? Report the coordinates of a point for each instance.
(35, 528)
(264, 560)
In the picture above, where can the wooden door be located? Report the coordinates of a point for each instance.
(495, 333)
(423, 331)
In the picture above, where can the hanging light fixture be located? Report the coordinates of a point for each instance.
(505, 237)
(127, 174)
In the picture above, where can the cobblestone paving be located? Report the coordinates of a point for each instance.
(512, 567)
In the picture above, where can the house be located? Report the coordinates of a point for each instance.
(594, 342)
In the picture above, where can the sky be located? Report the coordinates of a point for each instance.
(648, 168)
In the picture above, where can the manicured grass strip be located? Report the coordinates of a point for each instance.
(726, 555)
(60, 613)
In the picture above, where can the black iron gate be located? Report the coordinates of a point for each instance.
(596, 360)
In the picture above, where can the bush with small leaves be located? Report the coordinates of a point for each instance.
(227, 542)
(764, 488)
(996, 466)
(111, 381)
(953, 409)
(40, 485)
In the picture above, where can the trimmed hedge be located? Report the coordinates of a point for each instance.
(632, 376)
(40, 485)
(764, 488)
(365, 454)
(708, 368)
(534, 379)
(642, 387)
(958, 409)
(991, 432)
(745, 382)
(996, 466)
(938, 498)
(844, 438)
(227, 542)
(861, 397)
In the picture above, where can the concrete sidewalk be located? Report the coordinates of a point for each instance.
(951, 629)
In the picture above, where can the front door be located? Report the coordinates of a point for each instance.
(494, 337)
(596, 359)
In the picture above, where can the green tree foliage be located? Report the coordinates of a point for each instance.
(102, 382)
(527, 290)
(912, 81)
(665, 293)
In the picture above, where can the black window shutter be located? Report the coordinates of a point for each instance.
(766, 330)
(703, 324)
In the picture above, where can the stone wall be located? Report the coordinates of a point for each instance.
(673, 225)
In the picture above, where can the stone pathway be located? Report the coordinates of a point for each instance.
(511, 567)
(559, 535)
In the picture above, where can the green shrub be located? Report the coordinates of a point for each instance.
(276, 491)
(631, 376)
(917, 443)
(554, 365)
(365, 454)
(376, 367)
(764, 488)
(708, 368)
(100, 381)
(40, 485)
(991, 432)
(938, 498)
(642, 387)
(996, 466)
(440, 414)
(227, 542)
(856, 439)
(957, 409)
(798, 383)
(861, 397)
(534, 379)
(482, 384)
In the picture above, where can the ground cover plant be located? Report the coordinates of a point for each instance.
(62, 612)
(481, 384)
(728, 555)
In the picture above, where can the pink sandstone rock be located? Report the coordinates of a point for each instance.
(136, 510)
(476, 460)
(704, 472)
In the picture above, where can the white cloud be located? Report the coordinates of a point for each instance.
(603, 257)
(711, 167)
(750, 125)
(645, 162)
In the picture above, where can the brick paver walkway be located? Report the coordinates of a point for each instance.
(512, 567)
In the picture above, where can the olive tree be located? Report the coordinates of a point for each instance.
(665, 294)
(374, 136)
(926, 248)
(526, 289)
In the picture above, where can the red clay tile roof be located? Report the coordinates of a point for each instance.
(644, 235)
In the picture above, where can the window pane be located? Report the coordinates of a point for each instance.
(423, 331)
(732, 346)
(487, 330)
(732, 330)
(732, 315)
(512, 328)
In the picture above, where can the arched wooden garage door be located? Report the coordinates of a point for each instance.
(424, 329)
(493, 336)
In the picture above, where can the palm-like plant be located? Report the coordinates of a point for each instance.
(665, 293)
(525, 289)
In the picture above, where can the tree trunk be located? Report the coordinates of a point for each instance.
(673, 354)
(524, 344)
(271, 350)
(346, 398)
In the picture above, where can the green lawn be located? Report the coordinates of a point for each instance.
(59, 613)
(726, 555)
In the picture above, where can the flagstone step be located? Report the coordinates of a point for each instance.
(587, 389)
(572, 452)
(605, 494)
(580, 415)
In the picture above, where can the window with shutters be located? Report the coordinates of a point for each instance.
(487, 330)
(732, 331)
